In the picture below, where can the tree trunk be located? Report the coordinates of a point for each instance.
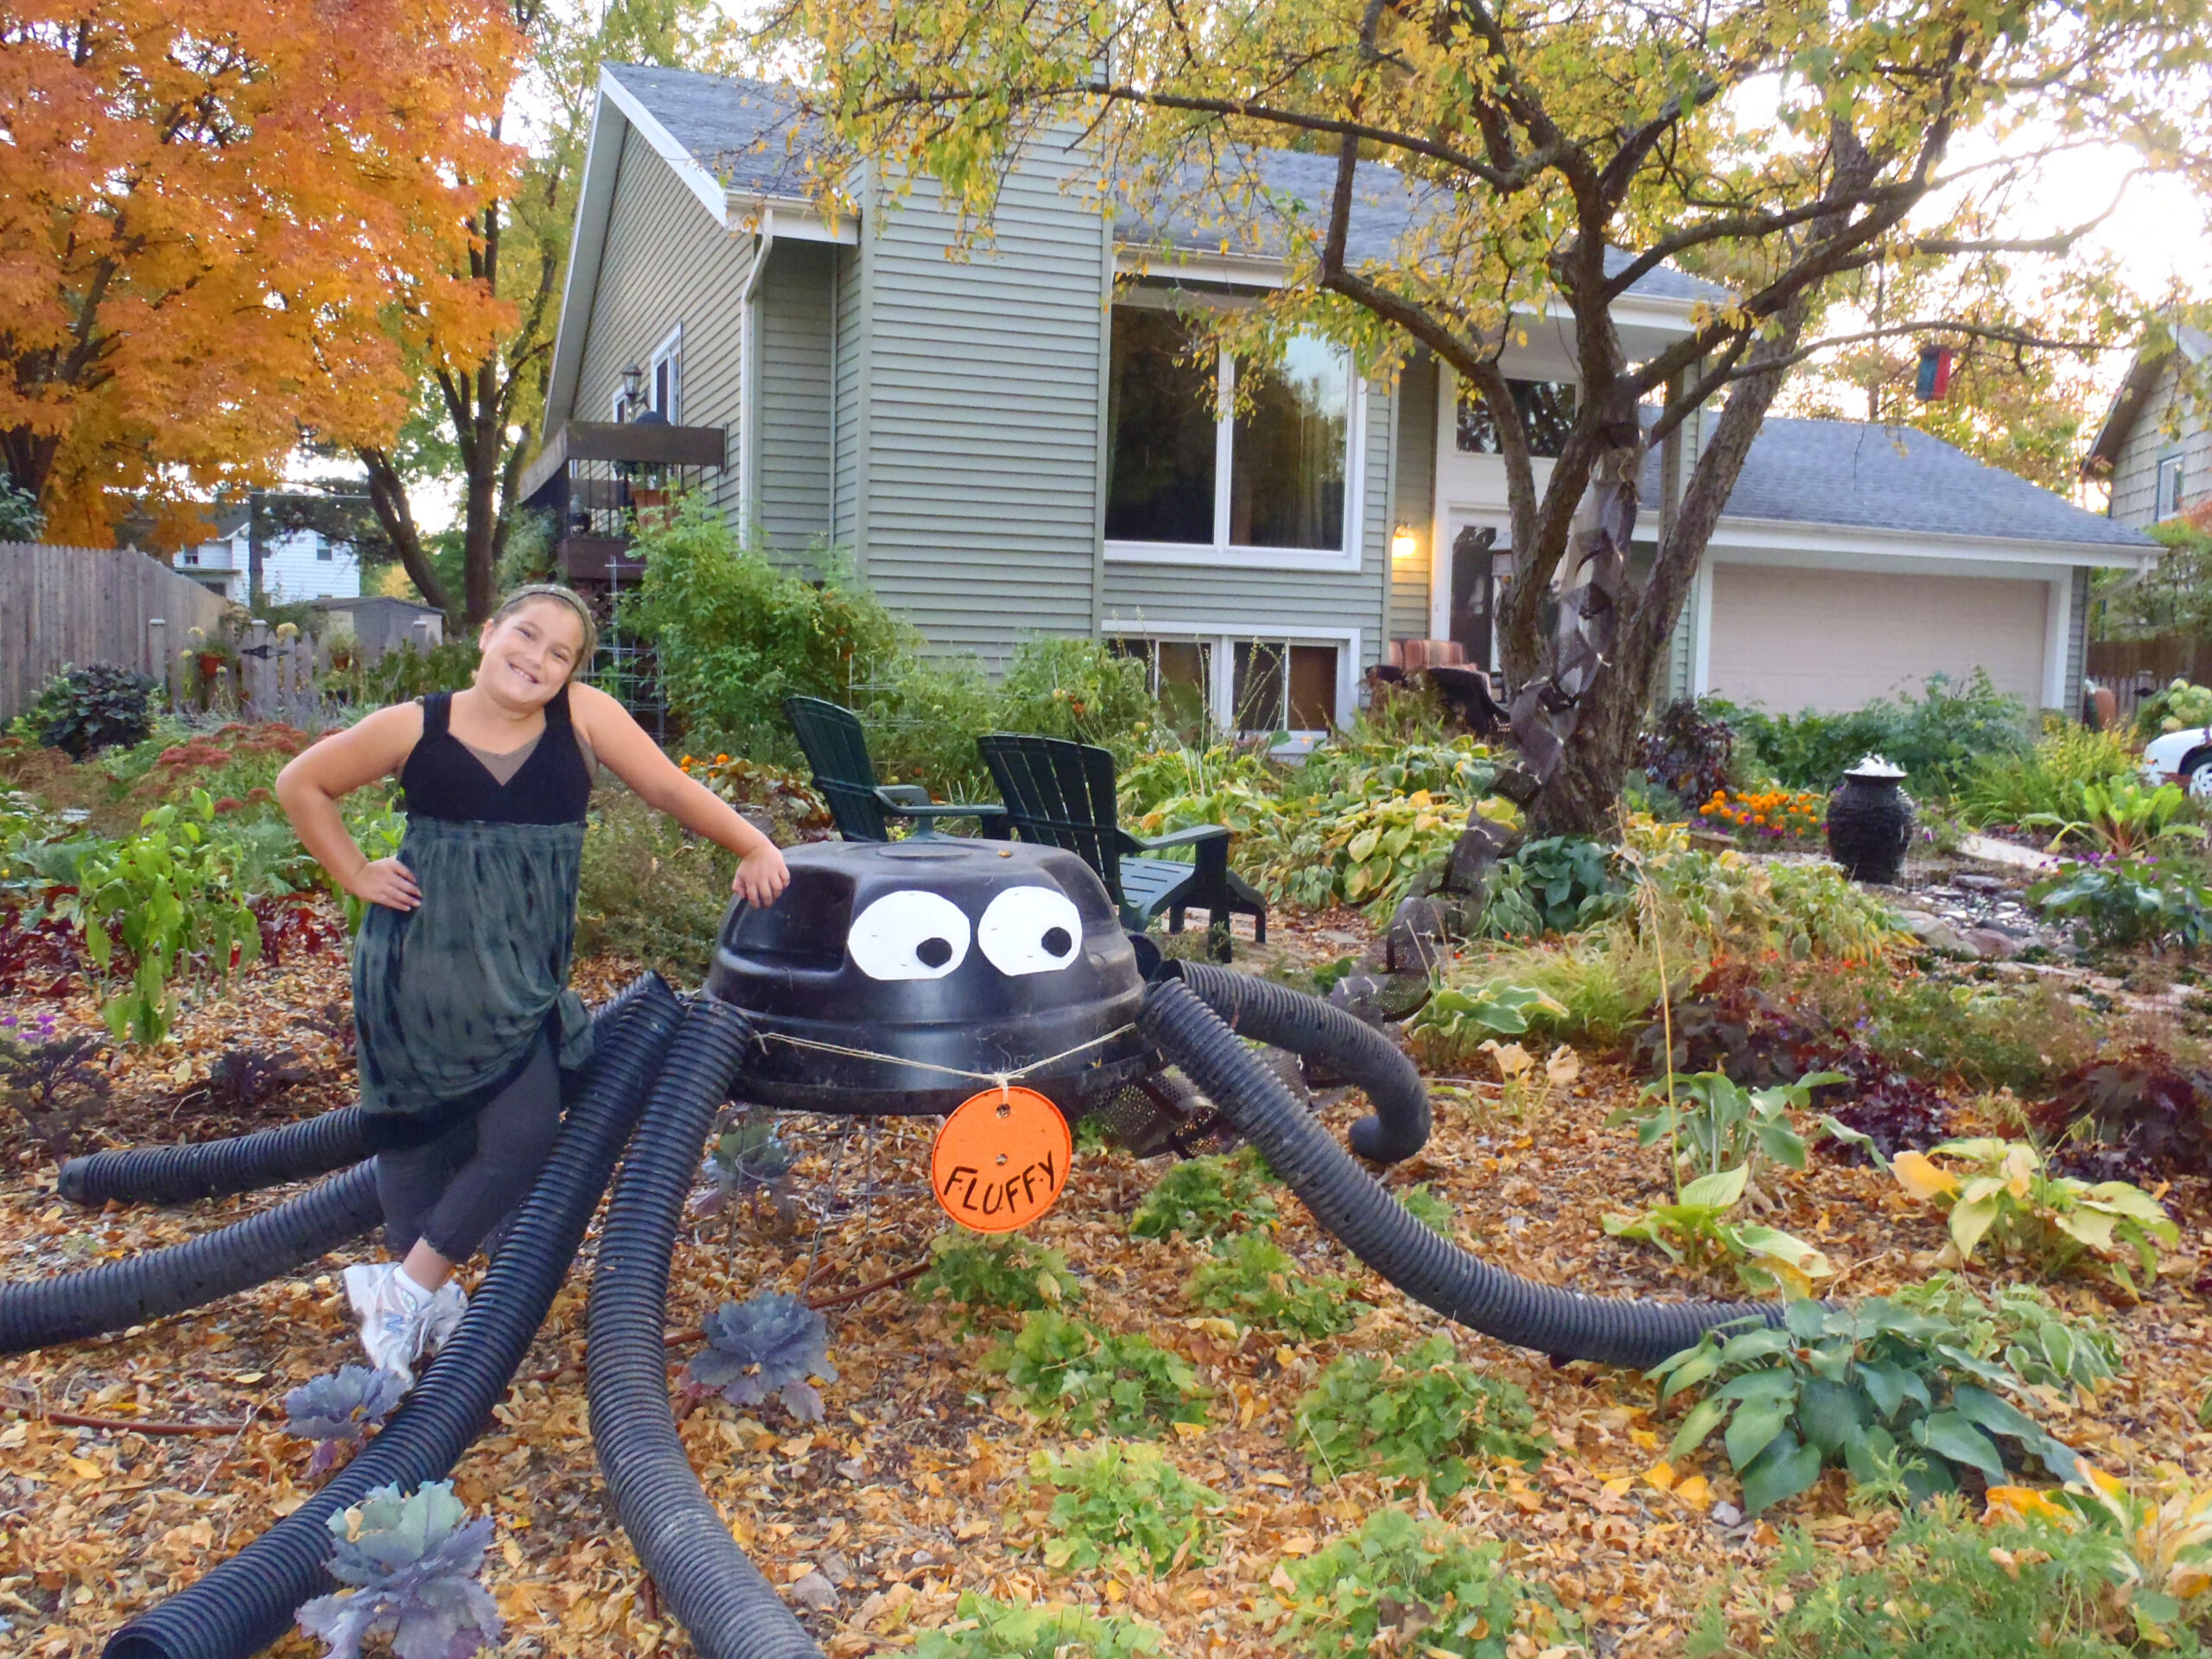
(388, 499)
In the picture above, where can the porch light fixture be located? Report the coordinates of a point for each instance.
(633, 385)
(1402, 543)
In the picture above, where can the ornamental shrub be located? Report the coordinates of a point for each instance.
(1938, 738)
(82, 710)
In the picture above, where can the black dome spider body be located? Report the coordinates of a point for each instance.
(896, 979)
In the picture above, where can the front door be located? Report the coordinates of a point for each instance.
(1473, 591)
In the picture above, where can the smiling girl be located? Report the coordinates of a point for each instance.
(460, 973)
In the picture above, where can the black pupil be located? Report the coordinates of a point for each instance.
(934, 953)
(1057, 942)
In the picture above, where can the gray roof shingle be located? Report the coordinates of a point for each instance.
(1895, 477)
(751, 135)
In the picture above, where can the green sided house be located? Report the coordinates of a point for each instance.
(1016, 441)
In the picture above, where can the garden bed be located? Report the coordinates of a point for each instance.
(918, 1486)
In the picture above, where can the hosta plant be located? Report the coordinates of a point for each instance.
(1894, 1396)
(1356, 849)
(338, 1410)
(1085, 1378)
(2055, 1356)
(1711, 1124)
(1553, 885)
(1425, 1417)
(1696, 1230)
(1403, 1586)
(2003, 1192)
(411, 1563)
(1252, 1280)
(1116, 1504)
(1473, 1014)
(767, 1344)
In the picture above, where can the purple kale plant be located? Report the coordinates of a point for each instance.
(412, 1563)
(338, 1409)
(769, 1343)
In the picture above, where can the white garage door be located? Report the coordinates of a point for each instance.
(1835, 639)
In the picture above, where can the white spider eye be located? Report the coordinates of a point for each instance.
(909, 935)
(1030, 931)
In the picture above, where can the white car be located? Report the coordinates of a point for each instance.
(2183, 757)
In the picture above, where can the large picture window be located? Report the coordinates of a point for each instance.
(1269, 685)
(1187, 468)
(1547, 411)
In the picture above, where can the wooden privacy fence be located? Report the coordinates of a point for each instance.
(2136, 668)
(87, 605)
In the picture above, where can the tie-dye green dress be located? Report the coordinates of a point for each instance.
(449, 998)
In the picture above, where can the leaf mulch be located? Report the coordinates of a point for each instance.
(915, 1488)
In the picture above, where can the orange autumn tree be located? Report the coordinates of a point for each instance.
(210, 218)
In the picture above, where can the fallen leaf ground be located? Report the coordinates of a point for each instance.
(915, 1488)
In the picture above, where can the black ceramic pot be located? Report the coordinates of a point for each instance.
(1870, 823)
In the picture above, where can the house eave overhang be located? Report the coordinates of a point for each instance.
(1736, 540)
(1648, 314)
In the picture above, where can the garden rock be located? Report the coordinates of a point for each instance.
(814, 1593)
(1992, 944)
(1973, 881)
(1379, 999)
(1936, 934)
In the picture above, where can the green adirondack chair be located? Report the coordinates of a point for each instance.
(1062, 794)
(836, 748)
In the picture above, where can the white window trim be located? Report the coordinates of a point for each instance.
(1224, 637)
(2162, 508)
(1348, 560)
(670, 350)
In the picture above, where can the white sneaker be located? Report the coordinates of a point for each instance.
(444, 1314)
(392, 1326)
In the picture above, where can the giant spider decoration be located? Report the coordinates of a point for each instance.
(914, 978)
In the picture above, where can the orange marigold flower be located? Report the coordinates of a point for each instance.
(721, 760)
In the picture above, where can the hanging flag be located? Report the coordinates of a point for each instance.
(1935, 378)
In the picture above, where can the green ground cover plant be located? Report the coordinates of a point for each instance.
(1082, 1377)
(1906, 1398)
(1943, 1587)
(1123, 1505)
(647, 890)
(1559, 885)
(1427, 1417)
(1252, 1280)
(983, 1627)
(1205, 1197)
(1008, 1274)
(1402, 1583)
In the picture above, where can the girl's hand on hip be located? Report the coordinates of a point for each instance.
(761, 874)
(388, 882)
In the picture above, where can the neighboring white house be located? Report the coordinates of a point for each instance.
(1018, 442)
(300, 565)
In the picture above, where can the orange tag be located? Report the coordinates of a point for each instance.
(1001, 1159)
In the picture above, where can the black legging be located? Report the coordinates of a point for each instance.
(452, 1192)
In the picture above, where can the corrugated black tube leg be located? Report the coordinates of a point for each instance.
(1349, 1201)
(210, 1169)
(117, 1295)
(246, 1163)
(1283, 1017)
(248, 1601)
(722, 1602)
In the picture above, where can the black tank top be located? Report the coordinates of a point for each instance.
(444, 778)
